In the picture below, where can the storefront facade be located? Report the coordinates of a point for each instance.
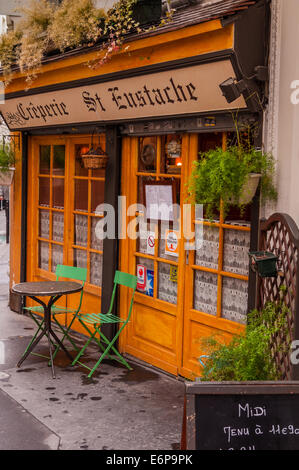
(152, 109)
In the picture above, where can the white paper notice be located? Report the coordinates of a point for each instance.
(159, 202)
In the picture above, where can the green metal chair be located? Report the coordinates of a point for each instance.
(66, 272)
(97, 319)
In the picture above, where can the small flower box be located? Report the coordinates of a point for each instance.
(264, 263)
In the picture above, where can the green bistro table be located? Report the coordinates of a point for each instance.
(54, 290)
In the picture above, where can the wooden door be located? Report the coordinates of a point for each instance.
(154, 335)
(63, 200)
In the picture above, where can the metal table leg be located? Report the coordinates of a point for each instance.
(47, 330)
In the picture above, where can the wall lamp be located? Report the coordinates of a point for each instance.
(232, 88)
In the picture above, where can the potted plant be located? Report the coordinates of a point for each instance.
(226, 177)
(7, 162)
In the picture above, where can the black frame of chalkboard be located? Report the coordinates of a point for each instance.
(282, 388)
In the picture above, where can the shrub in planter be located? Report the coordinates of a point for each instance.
(220, 177)
(249, 356)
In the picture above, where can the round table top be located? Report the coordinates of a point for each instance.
(47, 288)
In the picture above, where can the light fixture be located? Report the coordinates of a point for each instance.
(232, 89)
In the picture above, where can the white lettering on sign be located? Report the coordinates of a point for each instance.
(251, 412)
(174, 92)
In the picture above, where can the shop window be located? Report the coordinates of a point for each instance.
(221, 260)
(89, 188)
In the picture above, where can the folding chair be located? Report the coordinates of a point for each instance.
(96, 319)
(67, 272)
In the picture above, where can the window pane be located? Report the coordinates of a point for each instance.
(98, 173)
(236, 247)
(44, 192)
(44, 159)
(96, 268)
(79, 168)
(167, 283)
(80, 258)
(97, 194)
(57, 256)
(207, 243)
(58, 159)
(234, 299)
(44, 223)
(43, 255)
(57, 226)
(205, 292)
(80, 230)
(81, 195)
(147, 160)
(145, 274)
(169, 240)
(171, 154)
(58, 192)
(96, 243)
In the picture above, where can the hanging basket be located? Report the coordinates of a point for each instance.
(95, 158)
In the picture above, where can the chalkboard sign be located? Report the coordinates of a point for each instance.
(242, 416)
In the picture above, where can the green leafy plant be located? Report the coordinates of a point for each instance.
(7, 158)
(249, 356)
(219, 176)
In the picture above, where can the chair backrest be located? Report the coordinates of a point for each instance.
(71, 272)
(127, 280)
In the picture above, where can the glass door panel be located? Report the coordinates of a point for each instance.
(51, 205)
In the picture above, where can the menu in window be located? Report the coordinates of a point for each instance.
(159, 202)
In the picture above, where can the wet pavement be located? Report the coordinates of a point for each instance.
(116, 409)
